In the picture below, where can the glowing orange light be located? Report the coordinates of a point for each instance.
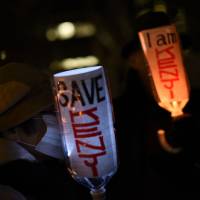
(164, 144)
(162, 51)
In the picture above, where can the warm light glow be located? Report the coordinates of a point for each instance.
(68, 30)
(62, 31)
(161, 132)
(80, 61)
(164, 144)
(163, 54)
(65, 30)
(51, 34)
(177, 111)
(160, 7)
(174, 107)
(70, 63)
(85, 29)
(3, 55)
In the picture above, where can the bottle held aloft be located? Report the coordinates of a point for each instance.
(162, 50)
(86, 121)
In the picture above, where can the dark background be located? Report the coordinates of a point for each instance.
(24, 24)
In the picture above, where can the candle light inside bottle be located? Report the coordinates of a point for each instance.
(163, 54)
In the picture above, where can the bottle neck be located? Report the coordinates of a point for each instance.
(99, 194)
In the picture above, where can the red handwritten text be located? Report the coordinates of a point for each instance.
(168, 70)
(88, 130)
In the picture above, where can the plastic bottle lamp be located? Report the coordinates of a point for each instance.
(163, 54)
(85, 116)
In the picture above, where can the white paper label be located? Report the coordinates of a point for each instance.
(87, 123)
(162, 50)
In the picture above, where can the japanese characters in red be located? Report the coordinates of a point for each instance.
(163, 54)
(86, 119)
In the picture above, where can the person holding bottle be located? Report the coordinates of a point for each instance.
(155, 152)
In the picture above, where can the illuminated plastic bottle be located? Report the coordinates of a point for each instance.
(86, 120)
(161, 46)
